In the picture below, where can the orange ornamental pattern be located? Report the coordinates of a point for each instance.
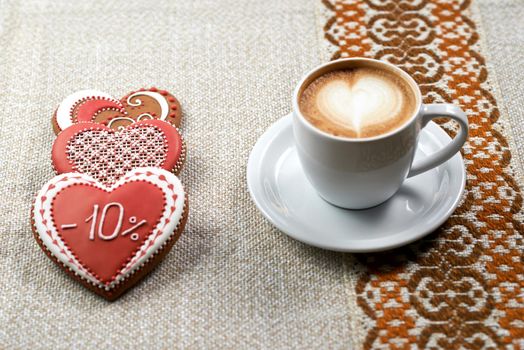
(463, 286)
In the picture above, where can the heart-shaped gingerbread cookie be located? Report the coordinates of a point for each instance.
(106, 155)
(100, 107)
(109, 237)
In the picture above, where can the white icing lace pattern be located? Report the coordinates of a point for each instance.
(106, 156)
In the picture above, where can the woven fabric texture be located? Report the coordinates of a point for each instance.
(234, 281)
(502, 34)
(462, 286)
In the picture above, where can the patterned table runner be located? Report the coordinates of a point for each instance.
(463, 286)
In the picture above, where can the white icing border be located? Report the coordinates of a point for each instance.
(63, 112)
(160, 235)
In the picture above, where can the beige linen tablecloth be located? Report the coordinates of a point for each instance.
(233, 280)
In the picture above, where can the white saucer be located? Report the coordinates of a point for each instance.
(285, 197)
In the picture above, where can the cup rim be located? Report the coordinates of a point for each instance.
(409, 79)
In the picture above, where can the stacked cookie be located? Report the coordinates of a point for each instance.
(116, 207)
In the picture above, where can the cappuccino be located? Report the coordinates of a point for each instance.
(358, 102)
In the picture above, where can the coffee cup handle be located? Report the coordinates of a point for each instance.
(429, 112)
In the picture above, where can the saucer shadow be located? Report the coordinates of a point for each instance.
(397, 258)
(388, 260)
(379, 262)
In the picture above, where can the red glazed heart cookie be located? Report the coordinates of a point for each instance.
(99, 107)
(105, 154)
(110, 237)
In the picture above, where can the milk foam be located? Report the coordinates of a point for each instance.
(358, 103)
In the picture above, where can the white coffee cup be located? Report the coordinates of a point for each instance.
(358, 173)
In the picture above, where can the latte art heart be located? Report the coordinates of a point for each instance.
(354, 106)
(362, 102)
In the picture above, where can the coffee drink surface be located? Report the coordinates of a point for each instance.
(358, 102)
